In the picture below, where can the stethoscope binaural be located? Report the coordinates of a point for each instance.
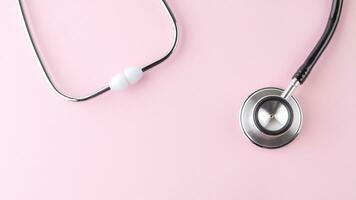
(119, 82)
(272, 117)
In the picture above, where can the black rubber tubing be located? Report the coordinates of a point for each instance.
(304, 71)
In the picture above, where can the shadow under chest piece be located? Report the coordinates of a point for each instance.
(271, 117)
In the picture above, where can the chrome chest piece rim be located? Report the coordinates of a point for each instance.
(270, 121)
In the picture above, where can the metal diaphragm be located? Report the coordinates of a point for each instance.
(269, 120)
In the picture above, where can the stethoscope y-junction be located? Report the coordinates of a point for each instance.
(272, 117)
(119, 82)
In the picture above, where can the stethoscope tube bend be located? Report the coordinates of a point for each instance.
(304, 71)
(120, 81)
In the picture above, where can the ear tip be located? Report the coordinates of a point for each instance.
(118, 82)
(133, 74)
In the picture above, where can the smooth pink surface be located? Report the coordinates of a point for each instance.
(176, 135)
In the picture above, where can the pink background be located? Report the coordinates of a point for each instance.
(176, 135)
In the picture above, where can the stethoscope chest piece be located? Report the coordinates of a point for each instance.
(269, 120)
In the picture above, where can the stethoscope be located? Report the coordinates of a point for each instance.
(270, 117)
(120, 81)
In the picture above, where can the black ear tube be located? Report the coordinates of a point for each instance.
(304, 71)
